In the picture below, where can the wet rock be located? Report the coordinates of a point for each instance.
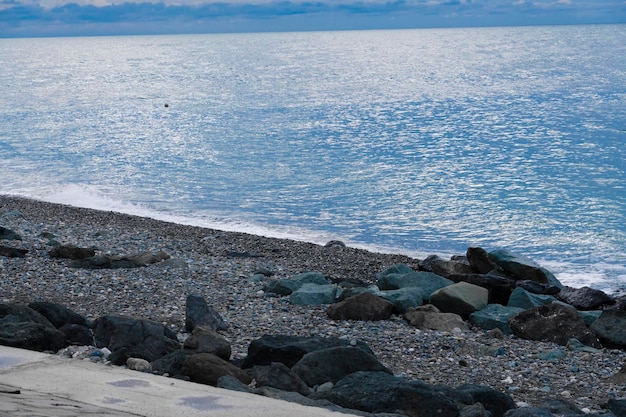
(331, 365)
(71, 252)
(585, 298)
(22, 313)
(461, 298)
(199, 313)
(618, 407)
(366, 307)
(206, 368)
(552, 323)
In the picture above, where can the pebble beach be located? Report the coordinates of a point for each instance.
(218, 265)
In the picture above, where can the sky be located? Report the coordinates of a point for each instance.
(34, 18)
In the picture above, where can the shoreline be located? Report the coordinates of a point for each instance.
(219, 265)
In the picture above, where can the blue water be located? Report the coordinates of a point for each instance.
(411, 141)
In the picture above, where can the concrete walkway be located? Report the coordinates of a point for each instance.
(38, 384)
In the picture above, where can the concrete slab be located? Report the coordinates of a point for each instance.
(33, 383)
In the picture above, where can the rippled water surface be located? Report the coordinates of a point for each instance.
(419, 141)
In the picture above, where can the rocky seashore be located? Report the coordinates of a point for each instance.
(481, 334)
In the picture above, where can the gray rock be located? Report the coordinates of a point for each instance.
(428, 319)
(231, 383)
(117, 262)
(366, 307)
(313, 294)
(618, 407)
(278, 375)
(331, 365)
(205, 340)
(585, 298)
(199, 313)
(522, 268)
(461, 298)
(611, 328)
(494, 316)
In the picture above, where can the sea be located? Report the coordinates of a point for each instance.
(418, 142)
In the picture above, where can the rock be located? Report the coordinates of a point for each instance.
(229, 382)
(128, 337)
(578, 346)
(31, 336)
(137, 364)
(496, 402)
(445, 268)
(523, 299)
(398, 269)
(522, 268)
(343, 294)
(499, 287)
(71, 252)
(537, 288)
(590, 316)
(172, 363)
(366, 307)
(114, 262)
(494, 316)
(618, 407)
(404, 298)
(290, 349)
(429, 318)
(205, 340)
(332, 364)
(206, 368)
(380, 392)
(313, 294)
(8, 234)
(478, 259)
(619, 378)
(23, 313)
(555, 323)
(10, 252)
(335, 244)
(77, 334)
(529, 412)
(461, 298)
(286, 286)
(199, 313)
(278, 375)
(426, 281)
(585, 298)
(474, 410)
(611, 328)
(57, 314)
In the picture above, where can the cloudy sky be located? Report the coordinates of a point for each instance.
(22, 18)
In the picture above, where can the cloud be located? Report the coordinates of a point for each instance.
(65, 17)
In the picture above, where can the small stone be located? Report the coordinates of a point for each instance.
(137, 364)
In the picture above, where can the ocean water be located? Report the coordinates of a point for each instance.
(409, 141)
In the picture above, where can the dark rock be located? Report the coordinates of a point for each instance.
(537, 288)
(445, 268)
(610, 328)
(479, 260)
(426, 281)
(285, 286)
(71, 252)
(494, 316)
(290, 396)
(116, 262)
(499, 287)
(380, 392)
(585, 298)
(8, 234)
(31, 336)
(22, 313)
(496, 402)
(561, 407)
(77, 334)
(461, 298)
(199, 313)
(290, 349)
(278, 375)
(529, 412)
(335, 244)
(523, 299)
(618, 407)
(172, 363)
(12, 252)
(206, 368)
(351, 292)
(522, 268)
(205, 340)
(366, 307)
(474, 410)
(555, 323)
(229, 382)
(57, 314)
(143, 339)
(331, 365)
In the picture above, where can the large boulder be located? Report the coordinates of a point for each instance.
(278, 375)
(426, 281)
(22, 313)
(290, 349)
(313, 294)
(104, 261)
(128, 337)
(555, 323)
(478, 259)
(397, 269)
(429, 317)
(172, 363)
(494, 316)
(331, 365)
(522, 268)
(205, 340)
(380, 392)
(31, 336)
(11, 252)
(499, 287)
(496, 402)
(585, 298)
(445, 268)
(285, 286)
(523, 299)
(199, 313)
(71, 252)
(610, 328)
(366, 307)
(57, 314)
(206, 368)
(404, 298)
(461, 298)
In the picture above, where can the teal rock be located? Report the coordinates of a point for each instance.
(578, 346)
(590, 316)
(523, 299)
(523, 268)
(285, 286)
(313, 294)
(494, 316)
(257, 278)
(400, 269)
(404, 298)
(462, 298)
(551, 354)
(343, 293)
(426, 281)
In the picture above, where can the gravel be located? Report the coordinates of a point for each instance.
(218, 266)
